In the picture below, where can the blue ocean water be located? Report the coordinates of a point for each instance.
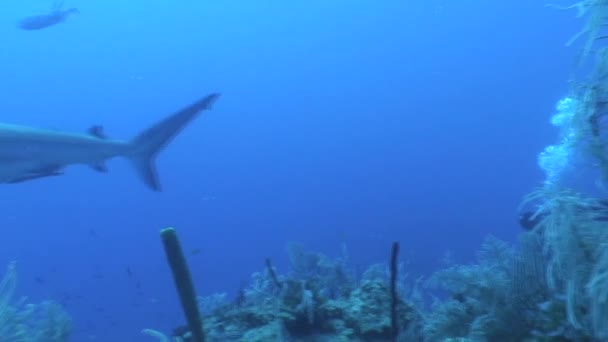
(341, 123)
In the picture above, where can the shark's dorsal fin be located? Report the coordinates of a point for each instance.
(97, 131)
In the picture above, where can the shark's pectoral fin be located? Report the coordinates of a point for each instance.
(97, 131)
(47, 172)
(100, 167)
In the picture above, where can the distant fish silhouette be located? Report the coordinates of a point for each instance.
(38, 22)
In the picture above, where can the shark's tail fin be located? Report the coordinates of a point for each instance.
(145, 147)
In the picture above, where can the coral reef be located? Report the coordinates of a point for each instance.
(319, 300)
(596, 12)
(21, 322)
(550, 287)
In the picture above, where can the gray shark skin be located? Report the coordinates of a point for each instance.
(28, 153)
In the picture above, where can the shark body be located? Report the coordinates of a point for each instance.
(28, 153)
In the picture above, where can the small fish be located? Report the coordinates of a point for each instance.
(529, 220)
(41, 21)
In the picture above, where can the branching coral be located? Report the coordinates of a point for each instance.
(597, 13)
(480, 303)
(574, 241)
(7, 289)
(46, 321)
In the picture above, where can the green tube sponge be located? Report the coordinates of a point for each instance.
(183, 282)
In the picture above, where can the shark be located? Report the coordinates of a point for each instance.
(28, 153)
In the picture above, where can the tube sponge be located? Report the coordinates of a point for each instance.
(183, 282)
